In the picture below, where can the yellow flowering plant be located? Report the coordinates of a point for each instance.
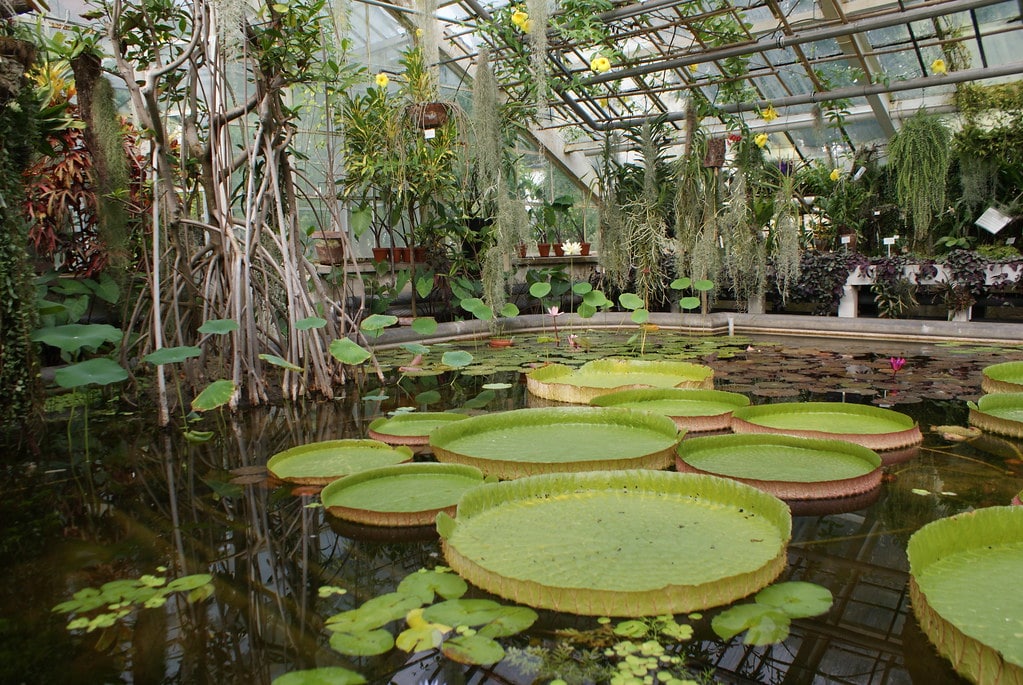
(382, 80)
(938, 66)
(761, 140)
(600, 64)
(769, 113)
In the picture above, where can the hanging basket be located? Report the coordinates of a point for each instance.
(330, 247)
(426, 115)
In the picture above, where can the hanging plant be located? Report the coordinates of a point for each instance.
(919, 155)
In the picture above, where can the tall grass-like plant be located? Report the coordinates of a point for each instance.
(919, 155)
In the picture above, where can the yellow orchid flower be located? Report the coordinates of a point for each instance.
(382, 80)
(527, 26)
(769, 114)
(835, 174)
(938, 66)
(519, 18)
(600, 64)
(761, 140)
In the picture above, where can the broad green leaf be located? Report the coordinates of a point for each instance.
(630, 300)
(582, 288)
(106, 288)
(690, 302)
(219, 326)
(796, 598)
(703, 285)
(281, 362)
(374, 323)
(419, 639)
(540, 290)
(424, 285)
(216, 394)
(328, 675)
(426, 584)
(766, 624)
(496, 386)
(585, 311)
(463, 612)
(191, 582)
(428, 397)
(414, 347)
(681, 283)
(640, 316)
(310, 322)
(631, 629)
(477, 308)
(481, 400)
(509, 310)
(360, 220)
(198, 437)
(369, 643)
(72, 337)
(424, 325)
(510, 620)
(99, 371)
(172, 355)
(348, 352)
(596, 298)
(473, 649)
(456, 358)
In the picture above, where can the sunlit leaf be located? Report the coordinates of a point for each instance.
(681, 283)
(797, 599)
(630, 300)
(426, 584)
(281, 362)
(703, 285)
(473, 649)
(370, 643)
(509, 310)
(216, 394)
(582, 288)
(456, 358)
(540, 289)
(640, 316)
(375, 323)
(328, 675)
(99, 371)
(348, 351)
(424, 325)
(690, 302)
(72, 337)
(765, 624)
(219, 326)
(310, 322)
(172, 355)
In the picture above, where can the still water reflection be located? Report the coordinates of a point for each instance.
(120, 499)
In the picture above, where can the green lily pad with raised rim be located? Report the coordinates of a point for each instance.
(526, 442)
(873, 427)
(964, 588)
(401, 495)
(1000, 413)
(412, 428)
(602, 376)
(1001, 378)
(691, 410)
(788, 467)
(319, 463)
(623, 543)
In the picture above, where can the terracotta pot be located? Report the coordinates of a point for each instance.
(428, 114)
(559, 250)
(400, 254)
(330, 247)
(501, 342)
(420, 254)
(381, 254)
(544, 249)
(521, 250)
(585, 249)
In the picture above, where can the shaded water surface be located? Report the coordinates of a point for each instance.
(118, 498)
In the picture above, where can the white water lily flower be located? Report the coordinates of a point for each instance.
(571, 248)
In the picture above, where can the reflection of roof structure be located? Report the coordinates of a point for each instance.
(858, 66)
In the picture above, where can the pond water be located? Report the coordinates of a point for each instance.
(117, 498)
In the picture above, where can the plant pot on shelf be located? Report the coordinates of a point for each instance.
(544, 249)
(584, 249)
(520, 250)
(559, 249)
(400, 255)
(330, 247)
(381, 254)
(420, 254)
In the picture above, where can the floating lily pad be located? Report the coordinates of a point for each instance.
(874, 427)
(691, 410)
(629, 543)
(789, 468)
(964, 590)
(413, 428)
(319, 463)
(525, 442)
(603, 376)
(402, 495)
(1000, 413)
(1004, 377)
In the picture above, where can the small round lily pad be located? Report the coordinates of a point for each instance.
(874, 427)
(790, 468)
(319, 463)
(402, 495)
(411, 428)
(693, 410)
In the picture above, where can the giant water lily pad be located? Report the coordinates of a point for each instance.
(965, 590)
(319, 463)
(411, 428)
(1000, 413)
(526, 442)
(626, 543)
(691, 410)
(603, 376)
(401, 495)
(788, 467)
(874, 427)
(1004, 377)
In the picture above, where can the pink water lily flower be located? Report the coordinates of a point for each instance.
(554, 312)
(896, 364)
